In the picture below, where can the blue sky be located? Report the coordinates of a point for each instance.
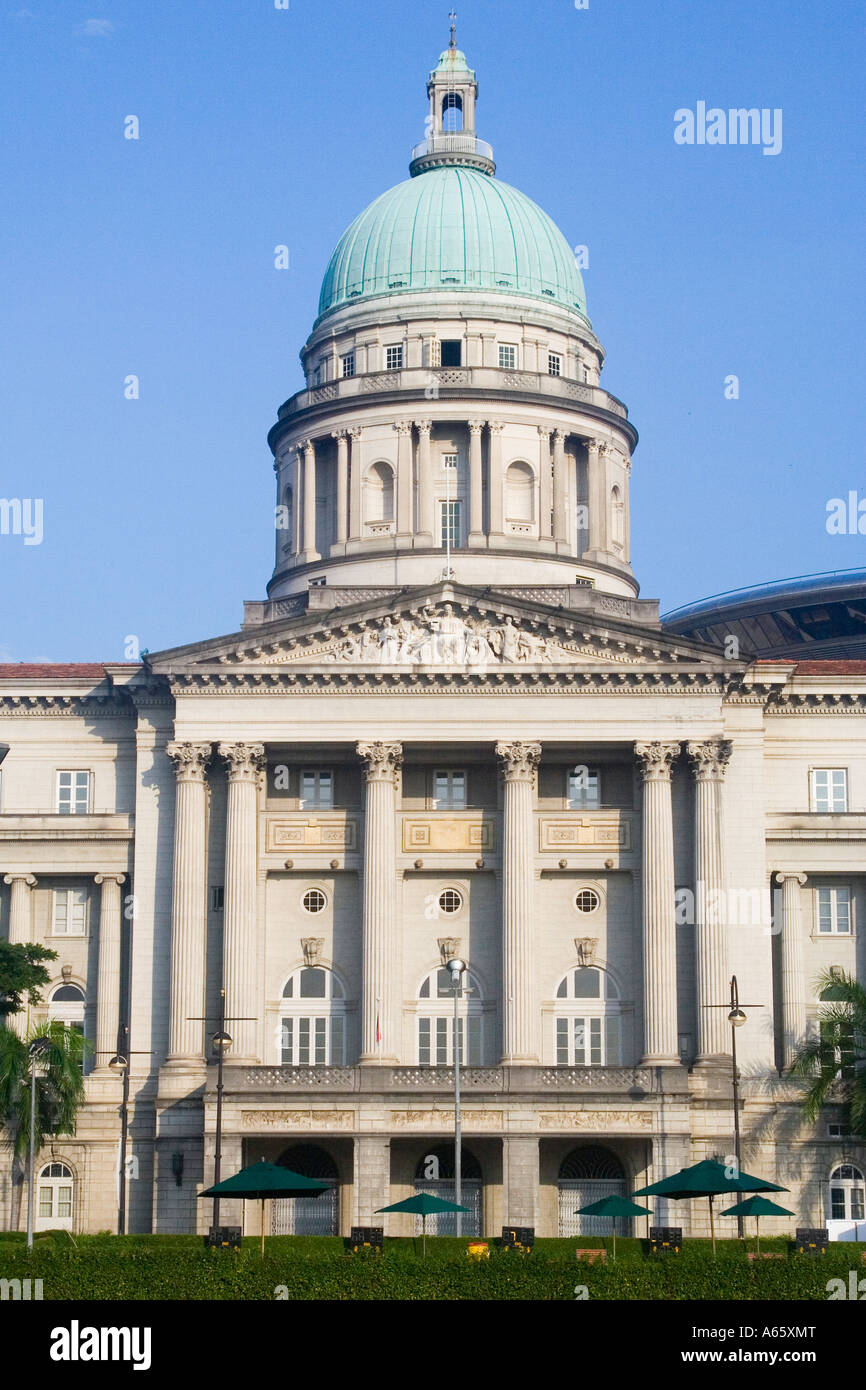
(262, 126)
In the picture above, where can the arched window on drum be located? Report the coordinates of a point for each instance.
(588, 1019)
(436, 1021)
(313, 1019)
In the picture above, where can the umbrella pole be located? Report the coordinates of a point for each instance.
(712, 1226)
(614, 1237)
(424, 1234)
(263, 1228)
(758, 1231)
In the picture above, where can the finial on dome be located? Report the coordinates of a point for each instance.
(453, 17)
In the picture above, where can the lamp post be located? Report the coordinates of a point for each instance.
(221, 1041)
(456, 969)
(736, 1018)
(120, 1063)
(34, 1051)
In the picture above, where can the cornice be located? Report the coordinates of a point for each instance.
(58, 706)
(282, 682)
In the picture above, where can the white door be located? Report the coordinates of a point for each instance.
(54, 1198)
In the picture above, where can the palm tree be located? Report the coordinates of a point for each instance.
(59, 1089)
(833, 1062)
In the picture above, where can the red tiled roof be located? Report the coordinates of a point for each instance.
(831, 668)
(76, 670)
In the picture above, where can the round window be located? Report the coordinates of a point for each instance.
(587, 900)
(450, 901)
(315, 900)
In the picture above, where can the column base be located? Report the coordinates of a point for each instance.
(377, 1061)
(659, 1060)
(309, 557)
(477, 540)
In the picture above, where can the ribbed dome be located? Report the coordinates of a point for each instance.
(451, 229)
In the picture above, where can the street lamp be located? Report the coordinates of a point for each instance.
(37, 1047)
(119, 1064)
(220, 1042)
(456, 969)
(736, 1018)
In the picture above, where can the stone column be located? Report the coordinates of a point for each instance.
(245, 764)
(425, 483)
(659, 921)
(404, 478)
(709, 761)
(356, 520)
(371, 1179)
(496, 484)
(309, 550)
(597, 495)
(520, 1180)
(560, 488)
(382, 763)
(20, 930)
(545, 481)
(189, 902)
(108, 978)
(476, 517)
(342, 485)
(793, 977)
(519, 762)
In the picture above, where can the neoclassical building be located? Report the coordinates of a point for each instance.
(452, 729)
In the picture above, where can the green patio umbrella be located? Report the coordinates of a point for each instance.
(707, 1179)
(264, 1180)
(613, 1207)
(423, 1204)
(757, 1207)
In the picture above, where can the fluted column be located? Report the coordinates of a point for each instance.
(19, 930)
(404, 478)
(310, 551)
(382, 763)
(189, 901)
(560, 488)
(519, 763)
(476, 518)
(793, 977)
(425, 482)
(597, 450)
(342, 485)
(108, 975)
(245, 763)
(659, 921)
(709, 761)
(545, 483)
(496, 499)
(356, 521)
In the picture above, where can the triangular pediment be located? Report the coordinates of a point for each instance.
(443, 628)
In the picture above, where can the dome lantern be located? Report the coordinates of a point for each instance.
(453, 91)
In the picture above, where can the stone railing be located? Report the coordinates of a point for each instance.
(429, 1080)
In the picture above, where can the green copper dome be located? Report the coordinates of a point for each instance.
(453, 228)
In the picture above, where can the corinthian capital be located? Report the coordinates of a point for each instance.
(598, 446)
(382, 761)
(403, 427)
(518, 760)
(475, 425)
(657, 760)
(245, 760)
(709, 760)
(423, 426)
(190, 760)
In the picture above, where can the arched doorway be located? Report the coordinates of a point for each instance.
(308, 1216)
(54, 1198)
(435, 1174)
(586, 1175)
(846, 1203)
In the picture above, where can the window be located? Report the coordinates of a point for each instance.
(73, 793)
(449, 790)
(520, 493)
(313, 1019)
(554, 364)
(317, 790)
(508, 355)
(319, 582)
(450, 901)
(449, 523)
(379, 494)
(394, 358)
(451, 355)
(829, 789)
(69, 917)
(834, 911)
(588, 1023)
(436, 1021)
(347, 364)
(847, 1196)
(452, 111)
(449, 461)
(321, 372)
(314, 900)
(584, 791)
(54, 1198)
(66, 1005)
(587, 900)
(217, 897)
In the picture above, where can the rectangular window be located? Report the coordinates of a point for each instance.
(449, 790)
(591, 1041)
(442, 1041)
(45, 1201)
(423, 1042)
(554, 364)
(449, 523)
(834, 911)
(394, 358)
(317, 790)
(829, 789)
(436, 1041)
(508, 355)
(449, 461)
(347, 364)
(584, 790)
(450, 355)
(217, 897)
(837, 1203)
(562, 1042)
(69, 917)
(73, 793)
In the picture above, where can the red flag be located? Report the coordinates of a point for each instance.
(378, 1034)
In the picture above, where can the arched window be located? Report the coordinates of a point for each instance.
(519, 493)
(436, 1021)
(585, 1176)
(434, 1174)
(308, 1216)
(617, 517)
(379, 493)
(452, 111)
(847, 1195)
(313, 1019)
(54, 1198)
(66, 1005)
(588, 1019)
